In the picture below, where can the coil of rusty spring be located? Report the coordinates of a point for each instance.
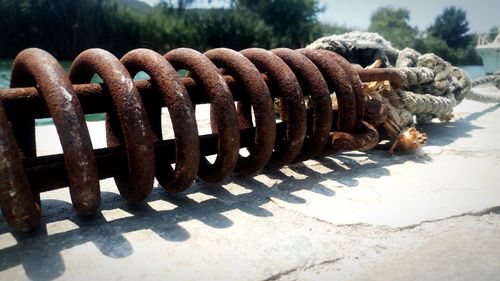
(137, 152)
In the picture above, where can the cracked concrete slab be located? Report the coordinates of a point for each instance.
(445, 256)
(460, 248)
(351, 216)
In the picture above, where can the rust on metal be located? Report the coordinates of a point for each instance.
(293, 110)
(137, 152)
(126, 124)
(35, 66)
(339, 83)
(222, 110)
(376, 112)
(380, 74)
(19, 207)
(239, 67)
(356, 86)
(312, 83)
(363, 141)
(176, 98)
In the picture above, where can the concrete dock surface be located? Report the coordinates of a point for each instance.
(429, 215)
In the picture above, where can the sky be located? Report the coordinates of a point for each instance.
(482, 14)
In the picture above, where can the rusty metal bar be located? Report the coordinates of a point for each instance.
(380, 74)
(49, 172)
(26, 103)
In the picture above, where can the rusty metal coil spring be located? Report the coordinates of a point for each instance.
(137, 153)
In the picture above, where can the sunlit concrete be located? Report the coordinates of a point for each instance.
(431, 215)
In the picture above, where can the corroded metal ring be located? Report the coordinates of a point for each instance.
(338, 82)
(312, 83)
(130, 128)
(238, 66)
(35, 66)
(363, 141)
(349, 94)
(294, 110)
(187, 146)
(366, 136)
(19, 208)
(223, 111)
(356, 85)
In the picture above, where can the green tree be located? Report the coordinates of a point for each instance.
(329, 29)
(178, 5)
(392, 24)
(66, 27)
(293, 22)
(436, 45)
(452, 26)
(448, 38)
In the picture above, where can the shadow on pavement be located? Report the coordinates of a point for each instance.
(39, 252)
(442, 134)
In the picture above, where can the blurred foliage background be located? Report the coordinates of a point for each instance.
(67, 27)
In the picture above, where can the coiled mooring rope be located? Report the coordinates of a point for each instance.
(430, 86)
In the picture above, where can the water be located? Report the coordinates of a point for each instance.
(5, 66)
(474, 71)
